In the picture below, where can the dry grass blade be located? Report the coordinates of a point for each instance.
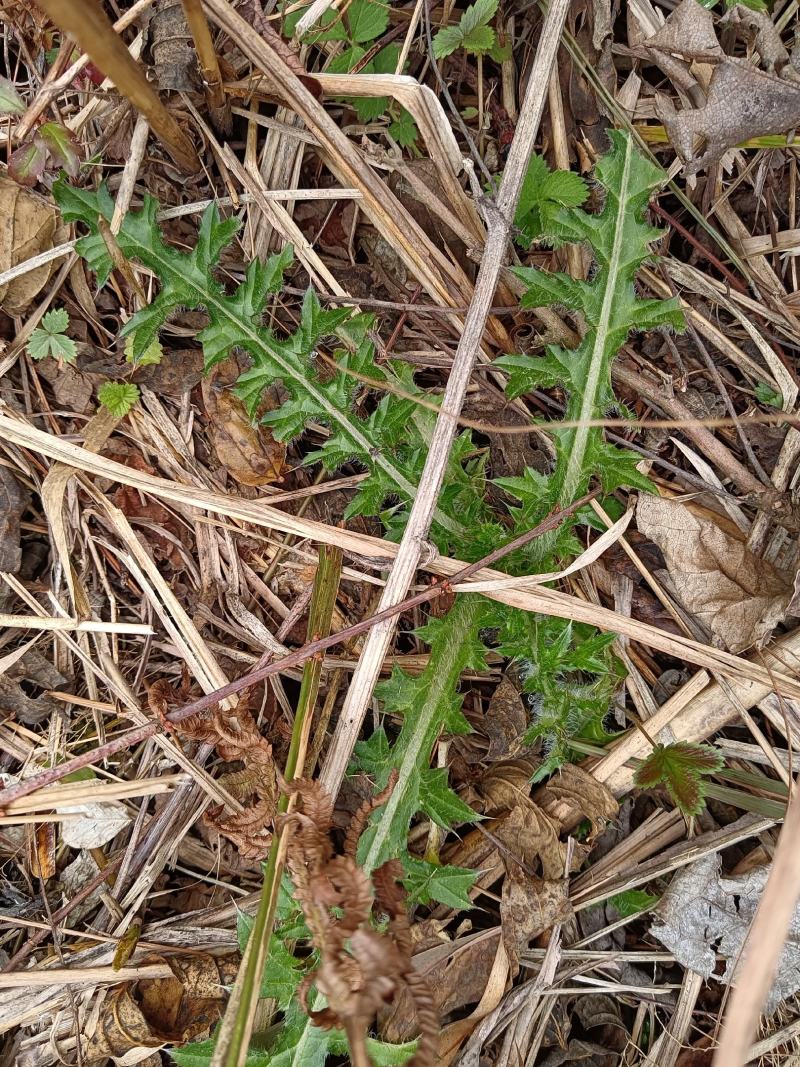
(547, 601)
(764, 944)
(442, 279)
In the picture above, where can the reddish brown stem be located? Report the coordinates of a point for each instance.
(731, 278)
(294, 659)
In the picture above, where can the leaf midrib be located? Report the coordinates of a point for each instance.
(413, 756)
(208, 298)
(572, 476)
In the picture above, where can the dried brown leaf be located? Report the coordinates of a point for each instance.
(529, 907)
(27, 709)
(736, 594)
(505, 785)
(13, 500)
(505, 721)
(581, 795)
(250, 453)
(29, 224)
(530, 841)
(159, 1011)
(742, 101)
(759, 30)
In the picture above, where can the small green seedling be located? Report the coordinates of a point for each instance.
(49, 339)
(473, 32)
(118, 397)
(680, 768)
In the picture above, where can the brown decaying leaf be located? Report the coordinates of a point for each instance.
(739, 596)
(504, 721)
(741, 102)
(360, 969)
(13, 500)
(160, 1011)
(577, 792)
(705, 917)
(250, 453)
(236, 737)
(529, 907)
(36, 671)
(135, 505)
(28, 225)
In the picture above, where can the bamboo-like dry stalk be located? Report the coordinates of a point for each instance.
(86, 22)
(209, 65)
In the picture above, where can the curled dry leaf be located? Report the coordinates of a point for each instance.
(144, 1015)
(28, 225)
(734, 99)
(360, 968)
(573, 794)
(743, 102)
(529, 907)
(705, 915)
(739, 596)
(21, 685)
(250, 453)
(236, 737)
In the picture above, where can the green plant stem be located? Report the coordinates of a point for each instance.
(420, 732)
(237, 1026)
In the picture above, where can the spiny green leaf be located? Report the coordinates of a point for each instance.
(680, 767)
(151, 356)
(187, 281)
(425, 704)
(426, 882)
(118, 397)
(199, 1054)
(438, 801)
(283, 972)
(620, 241)
(381, 1053)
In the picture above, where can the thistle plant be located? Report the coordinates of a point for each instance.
(568, 670)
